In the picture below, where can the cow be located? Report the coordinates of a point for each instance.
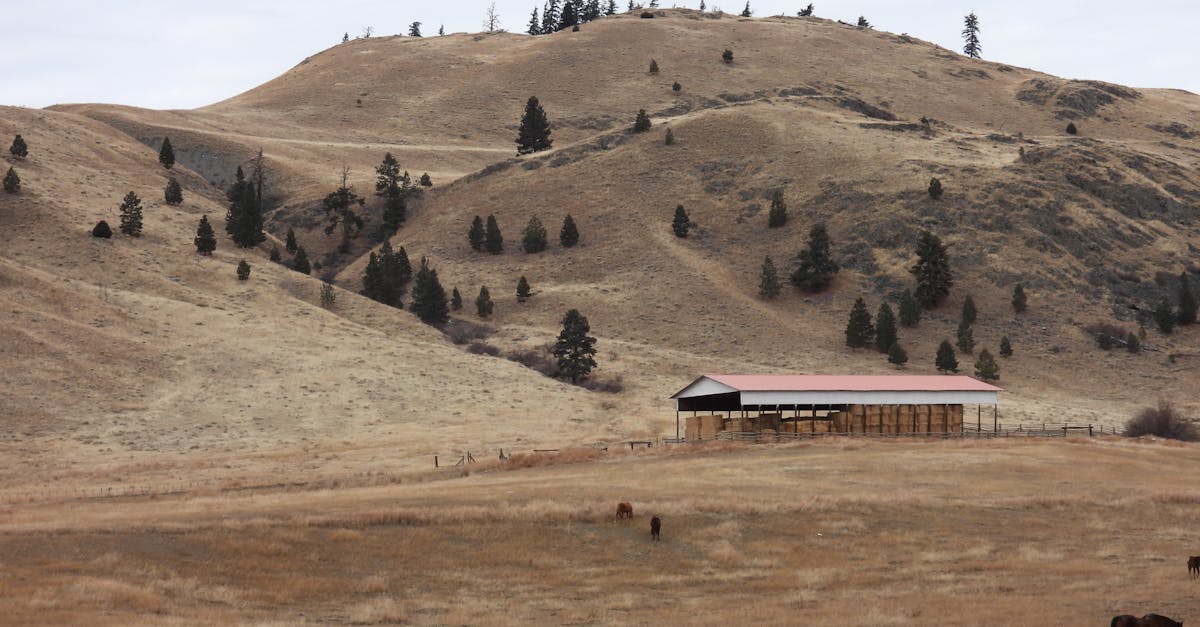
(1194, 566)
(656, 528)
(624, 510)
(1149, 620)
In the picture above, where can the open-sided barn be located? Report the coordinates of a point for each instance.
(829, 403)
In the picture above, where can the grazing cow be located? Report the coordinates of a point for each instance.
(1149, 620)
(1194, 566)
(624, 510)
(656, 528)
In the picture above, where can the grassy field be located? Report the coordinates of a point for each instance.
(834, 532)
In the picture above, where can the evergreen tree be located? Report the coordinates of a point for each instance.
(1019, 301)
(550, 17)
(131, 215)
(1187, 301)
(205, 240)
(670, 138)
(535, 25)
(863, 23)
(372, 278)
(12, 182)
(533, 239)
(1132, 343)
(173, 194)
(702, 8)
(897, 355)
(569, 235)
(966, 338)
(442, 30)
(932, 271)
(816, 266)
(806, 11)
(102, 230)
(675, 87)
(768, 283)
(493, 241)
(746, 11)
(483, 303)
(970, 34)
(400, 269)
(574, 349)
(946, 360)
(274, 255)
(969, 312)
(522, 289)
(386, 277)
(534, 134)
(425, 180)
(611, 9)
(300, 263)
(428, 298)
(390, 186)
(568, 18)
(859, 330)
(455, 300)
(642, 123)
(475, 235)
(653, 66)
(414, 29)
(986, 367)
(1006, 347)
(166, 154)
(935, 188)
(243, 270)
(778, 215)
(681, 223)
(19, 150)
(727, 56)
(1164, 316)
(342, 208)
(910, 311)
(885, 328)
(289, 243)
(1071, 130)
(243, 221)
(328, 296)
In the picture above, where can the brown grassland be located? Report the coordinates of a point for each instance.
(178, 446)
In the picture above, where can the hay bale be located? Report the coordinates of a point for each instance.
(822, 426)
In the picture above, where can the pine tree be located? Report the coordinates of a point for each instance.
(535, 25)
(522, 289)
(455, 300)
(611, 9)
(476, 235)
(897, 355)
(768, 283)
(885, 328)
(970, 34)
(166, 154)
(863, 23)
(243, 221)
(966, 338)
(493, 241)
(746, 11)
(642, 123)
(910, 311)
(727, 56)
(676, 87)
(342, 207)
(702, 7)
(550, 17)
(653, 66)
(243, 270)
(816, 266)
(681, 223)
(372, 278)
(1132, 343)
(932, 271)
(1164, 316)
(389, 186)
(274, 255)
(534, 134)
(533, 239)
(859, 330)
(414, 29)
(969, 312)
(574, 349)
(1187, 300)
(428, 298)
(12, 182)
(670, 137)
(289, 243)
(205, 240)
(102, 230)
(131, 215)
(300, 263)
(1019, 301)
(569, 235)
(425, 180)
(173, 194)
(1006, 347)
(442, 29)
(986, 367)
(483, 303)
(1071, 130)
(946, 360)
(568, 18)
(778, 215)
(806, 11)
(386, 276)
(19, 150)
(935, 188)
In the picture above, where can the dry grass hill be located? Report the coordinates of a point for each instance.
(135, 362)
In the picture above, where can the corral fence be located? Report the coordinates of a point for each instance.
(1044, 430)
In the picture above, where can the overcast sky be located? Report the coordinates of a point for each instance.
(165, 54)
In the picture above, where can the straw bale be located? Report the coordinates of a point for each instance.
(822, 426)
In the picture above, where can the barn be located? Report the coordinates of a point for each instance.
(804, 403)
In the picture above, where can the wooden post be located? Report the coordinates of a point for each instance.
(435, 462)
(677, 420)
(978, 419)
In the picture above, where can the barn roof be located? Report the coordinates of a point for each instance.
(848, 383)
(729, 391)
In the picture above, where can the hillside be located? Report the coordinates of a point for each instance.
(142, 359)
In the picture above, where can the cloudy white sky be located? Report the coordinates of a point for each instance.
(166, 54)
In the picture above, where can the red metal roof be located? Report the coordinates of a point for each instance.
(851, 383)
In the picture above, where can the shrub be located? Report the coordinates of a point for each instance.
(539, 359)
(653, 66)
(935, 188)
(328, 296)
(1164, 316)
(19, 148)
(102, 230)
(642, 123)
(1106, 334)
(12, 182)
(483, 348)
(676, 87)
(1132, 343)
(680, 224)
(670, 138)
(243, 270)
(1163, 421)
(727, 55)
(1071, 130)
(612, 385)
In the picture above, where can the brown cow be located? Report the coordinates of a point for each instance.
(1194, 566)
(1149, 620)
(624, 510)
(656, 528)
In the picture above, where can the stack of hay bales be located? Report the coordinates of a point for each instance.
(702, 427)
(769, 422)
(955, 421)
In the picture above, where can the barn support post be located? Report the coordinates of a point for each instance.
(676, 420)
(979, 418)
(995, 418)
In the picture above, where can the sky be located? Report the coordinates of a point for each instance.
(164, 54)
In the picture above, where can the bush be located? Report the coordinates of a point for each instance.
(102, 230)
(642, 123)
(935, 188)
(243, 270)
(1071, 130)
(539, 359)
(483, 348)
(1107, 334)
(676, 87)
(653, 66)
(1163, 421)
(727, 55)
(612, 385)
